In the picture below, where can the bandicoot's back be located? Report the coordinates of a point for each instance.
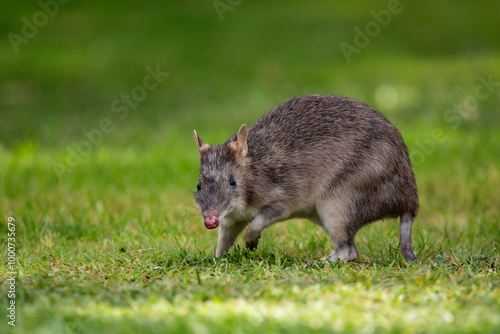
(333, 160)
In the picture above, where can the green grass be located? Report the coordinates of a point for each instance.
(108, 250)
(116, 244)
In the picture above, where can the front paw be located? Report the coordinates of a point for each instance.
(252, 239)
(252, 244)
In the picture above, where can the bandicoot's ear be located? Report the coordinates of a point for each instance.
(201, 145)
(241, 141)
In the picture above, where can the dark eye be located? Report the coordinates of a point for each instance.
(232, 182)
(198, 186)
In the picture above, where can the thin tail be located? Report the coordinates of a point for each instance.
(405, 225)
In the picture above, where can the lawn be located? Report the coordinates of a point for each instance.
(98, 165)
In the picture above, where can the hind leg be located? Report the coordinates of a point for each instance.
(335, 222)
(344, 251)
(405, 226)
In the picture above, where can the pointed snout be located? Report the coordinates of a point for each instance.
(211, 222)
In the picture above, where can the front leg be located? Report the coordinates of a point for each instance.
(227, 235)
(264, 219)
(254, 230)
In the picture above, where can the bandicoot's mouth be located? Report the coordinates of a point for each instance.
(211, 222)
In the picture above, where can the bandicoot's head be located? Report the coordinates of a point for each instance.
(221, 185)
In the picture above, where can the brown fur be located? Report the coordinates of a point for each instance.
(331, 159)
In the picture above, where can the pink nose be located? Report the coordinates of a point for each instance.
(211, 222)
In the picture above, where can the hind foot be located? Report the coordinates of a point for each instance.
(346, 253)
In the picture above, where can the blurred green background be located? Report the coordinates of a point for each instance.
(223, 73)
(88, 177)
(228, 65)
